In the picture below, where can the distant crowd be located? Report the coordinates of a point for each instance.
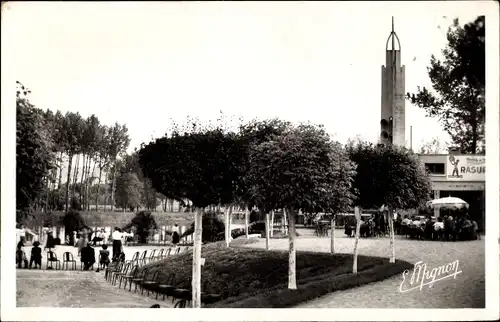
(446, 228)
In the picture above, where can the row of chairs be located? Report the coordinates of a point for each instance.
(133, 273)
(67, 260)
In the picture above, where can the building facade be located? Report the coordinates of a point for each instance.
(459, 175)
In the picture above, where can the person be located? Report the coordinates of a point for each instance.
(97, 237)
(449, 228)
(103, 257)
(80, 244)
(21, 256)
(20, 232)
(117, 243)
(50, 241)
(36, 255)
(75, 239)
(476, 230)
(428, 228)
(347, 230)
(439, 228)
(102, 235)
(175, 235)
(88, 257)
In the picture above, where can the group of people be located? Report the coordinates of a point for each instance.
(374, 225)
(36, 250)
(447, 228)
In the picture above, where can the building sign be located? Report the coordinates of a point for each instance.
(465, 168)
(457, 186)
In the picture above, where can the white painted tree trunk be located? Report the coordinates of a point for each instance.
(267, 231)
(247, 213)
(292, 276)
(196, 278)
(358, 227)
(285, 231)
(272, 223)
(332, 236)
(392, 259)
(230, 222)
(226, 236)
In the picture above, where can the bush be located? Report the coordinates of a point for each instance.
(144, 222)
(212, 225)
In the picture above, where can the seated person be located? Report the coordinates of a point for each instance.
(476, 230)
(104, 257)
(21, 257)
(428, 228)
(449, 228)
(88, 257)
(347, 230)
(439, 228)
(36, 255)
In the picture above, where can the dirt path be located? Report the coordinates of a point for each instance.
(466, 291)
(74, 289)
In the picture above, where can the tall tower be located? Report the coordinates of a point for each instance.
(392, 120)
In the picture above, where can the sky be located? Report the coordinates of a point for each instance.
(145, 63)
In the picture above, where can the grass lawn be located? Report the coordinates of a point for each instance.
(256, 278)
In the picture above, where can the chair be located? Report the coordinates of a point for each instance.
(160, 254)
(180, 304)
(141, 277)
(142, 259)
(151, 257)
(207, 297)
(168, 288)
(121, 273)
(167, 252)
(134, 259)
(177, 250)
(117, 267)
(52, 258)
(67, 259)
(150, 283)
(129, 277)
(182, 293)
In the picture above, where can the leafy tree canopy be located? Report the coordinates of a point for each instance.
(202, 166)
(390, 176)
(34, 151)
(128, 190)
(458, 82)
(298, 169)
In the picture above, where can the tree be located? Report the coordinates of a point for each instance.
(201, 166)
(252, 134)
(391, 176)
(434, 146)
(295, 170)
(144, 221)
(72, 127)
(128, 191)
(34, 152)
(458, 82)
(118, 143)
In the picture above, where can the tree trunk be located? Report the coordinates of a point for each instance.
(285, 221)
(358, 227)
(60, 172)
(332, 236)
(75, 177)
(292, 276)
(196, 278)
(246, 221)
(392, 259)
(272, 223)
(226, 220)
(70, 163)
(113, 178)
(47, 195)
(97, 190)
(267, 230)
(82, 190)
(89, 184)
(230, 222)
